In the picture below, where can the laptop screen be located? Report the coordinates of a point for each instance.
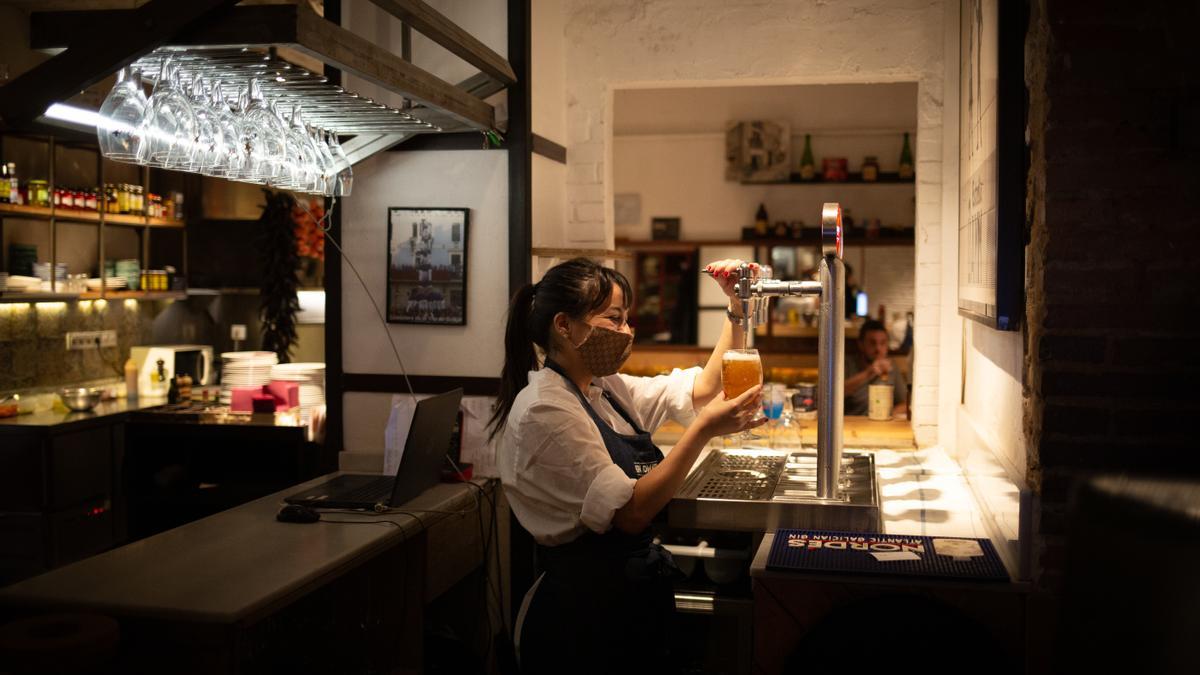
(425, 449)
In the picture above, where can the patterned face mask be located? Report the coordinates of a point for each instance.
(605, 350)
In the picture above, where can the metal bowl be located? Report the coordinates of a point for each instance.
(80, 399)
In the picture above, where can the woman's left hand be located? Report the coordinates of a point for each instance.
(726, 273)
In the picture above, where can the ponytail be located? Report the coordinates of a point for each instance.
(577, 287)
(519, 356)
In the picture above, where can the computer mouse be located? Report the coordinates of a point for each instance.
(295, 513)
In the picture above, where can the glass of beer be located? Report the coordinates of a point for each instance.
(741, 369)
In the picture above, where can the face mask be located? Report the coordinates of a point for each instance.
(605, 350)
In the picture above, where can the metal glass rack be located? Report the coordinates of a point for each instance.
(323, 105)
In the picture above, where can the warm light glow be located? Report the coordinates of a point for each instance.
(101, 304)
(85, 306)
(14, 307)
(131, 303)
(50, 307)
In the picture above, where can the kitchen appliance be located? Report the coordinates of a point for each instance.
(195, 360)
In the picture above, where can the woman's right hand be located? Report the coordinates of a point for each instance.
(721, 416)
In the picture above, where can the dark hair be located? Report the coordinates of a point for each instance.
(577, 288)
(870, 325)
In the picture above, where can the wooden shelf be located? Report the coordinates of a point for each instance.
(76, 216)
(852, 179)
(37, 297)
(133, 295)
(887, 237)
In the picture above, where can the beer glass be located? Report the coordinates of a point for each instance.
(741, 369)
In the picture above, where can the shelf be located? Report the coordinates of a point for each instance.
(133, 295)
(852, 179)
(887, 237)
(37, 297)
(74, 216)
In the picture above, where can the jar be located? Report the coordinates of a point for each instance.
(38, 193)
(91, 199)
(870, 169)
(833, 169)
(122, 198)
(139, 200)
(58, 197)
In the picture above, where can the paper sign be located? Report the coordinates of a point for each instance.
(958, 548)
(888, 556)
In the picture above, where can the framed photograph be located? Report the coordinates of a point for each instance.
(757, 151)
(991, 169)
(664, 229)
(427, 266)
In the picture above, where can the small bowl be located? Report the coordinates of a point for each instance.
(80, 399)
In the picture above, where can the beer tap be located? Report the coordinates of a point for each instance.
(754, 291)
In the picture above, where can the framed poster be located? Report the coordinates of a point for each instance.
(427, 266)
(991, 168)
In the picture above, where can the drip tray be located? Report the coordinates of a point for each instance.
(757, 490)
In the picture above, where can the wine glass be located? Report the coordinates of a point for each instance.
(345, 175)
(229, 158)
(170, 122)
(209, 140)
(119, 133)
(325, 158)
(263, 135)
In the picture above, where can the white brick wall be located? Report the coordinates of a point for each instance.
(632, 43)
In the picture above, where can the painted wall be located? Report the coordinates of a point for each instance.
(627, 44)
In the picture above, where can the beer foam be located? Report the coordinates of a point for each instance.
(736, 356)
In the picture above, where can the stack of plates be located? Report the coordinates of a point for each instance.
(41, 270)
(311, 379)
(22, 284)
(245, 369)
(110, 283)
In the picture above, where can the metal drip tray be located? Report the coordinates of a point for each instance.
(757, 490)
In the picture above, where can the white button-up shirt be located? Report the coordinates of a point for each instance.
(557, 475)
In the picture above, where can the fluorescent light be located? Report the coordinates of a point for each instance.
(74, 115)
(312, 307)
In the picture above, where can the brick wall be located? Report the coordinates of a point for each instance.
(1113, 303)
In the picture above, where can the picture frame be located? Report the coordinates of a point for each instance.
(427, 265)
(758, 151)
(991, 173)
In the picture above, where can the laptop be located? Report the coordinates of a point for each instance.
(420, 465)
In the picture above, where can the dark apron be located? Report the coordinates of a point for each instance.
(605, 601)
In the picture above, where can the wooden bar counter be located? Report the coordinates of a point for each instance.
(239, 591)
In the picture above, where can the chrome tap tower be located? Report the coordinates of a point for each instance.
(755, 292)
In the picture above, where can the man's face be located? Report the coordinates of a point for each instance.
(873, 344)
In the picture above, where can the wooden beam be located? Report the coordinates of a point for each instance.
(300, 28)
(549, 149)
(435, 26)
(108, 44)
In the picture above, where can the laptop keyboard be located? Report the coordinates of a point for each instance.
(354, 489)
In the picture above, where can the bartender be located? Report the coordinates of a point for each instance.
(582, 475)
(871, 365)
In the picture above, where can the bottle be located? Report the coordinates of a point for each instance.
(14, 188)
(173, 391)
(906, 160)
(159, 378)
(185, 387)
(808, 168)
(131, 379)
(4, 182)
(761, 222)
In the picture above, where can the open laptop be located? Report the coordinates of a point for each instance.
(420, 465)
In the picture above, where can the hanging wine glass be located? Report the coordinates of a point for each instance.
(345, 175)
(263, 133)
(327, 163)
(170, 122)
(119, 133)
(229, 158)
(209, 139)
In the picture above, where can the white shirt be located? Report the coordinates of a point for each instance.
(556, 472)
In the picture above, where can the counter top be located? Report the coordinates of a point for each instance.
(857, 432)
(53, 418)
(231, 566)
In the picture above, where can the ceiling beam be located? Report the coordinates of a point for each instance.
(435, 26)
(109, 43)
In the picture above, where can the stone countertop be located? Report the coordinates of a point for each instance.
(233, 565)
(61, 418)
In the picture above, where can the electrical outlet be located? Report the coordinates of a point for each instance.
(91, 339)
(237, 331)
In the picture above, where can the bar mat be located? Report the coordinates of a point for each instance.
(886, 554)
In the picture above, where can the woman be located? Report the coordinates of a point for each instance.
(582, 475)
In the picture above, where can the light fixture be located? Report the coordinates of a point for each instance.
(73, 116)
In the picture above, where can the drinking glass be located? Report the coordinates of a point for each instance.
(119, 133)
(229, 158)
(209, 140)
(263, 136)
(170, 122)
(329, 169)
(345, 176)
(741, 369)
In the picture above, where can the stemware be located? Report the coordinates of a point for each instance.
(209, 140)
(119, 133)
(170, 122)
(345, 175)
(229, 158)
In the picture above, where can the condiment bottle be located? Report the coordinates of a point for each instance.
(185, 387)
(761, 223)
(173, 391)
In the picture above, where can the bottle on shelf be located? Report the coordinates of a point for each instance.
(906, 159)
(4, 183)
(173, 391)
(14, 187)
(761, 222)
(808, 167)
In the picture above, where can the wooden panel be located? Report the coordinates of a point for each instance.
(448, 34)
(80, 466)
(22, 471)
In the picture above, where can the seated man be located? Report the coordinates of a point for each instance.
(869, 366)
